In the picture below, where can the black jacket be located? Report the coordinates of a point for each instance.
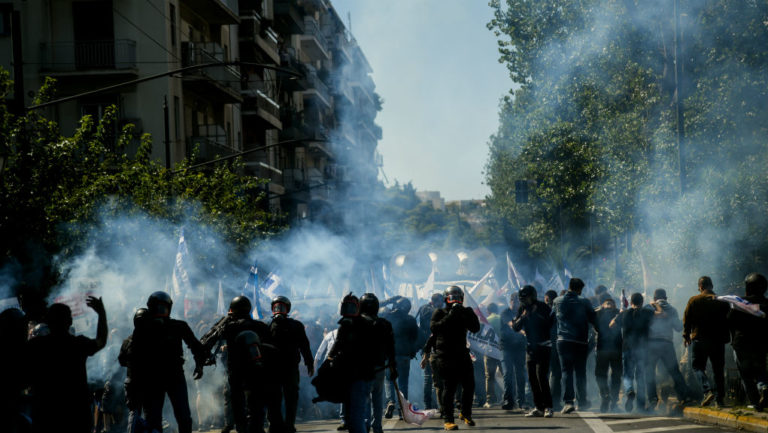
(406, 333)
(354, 350)
(449, 326)
(608, 339)
(424, 318)
(749, 332)
(537, 323)
(635, 324)
(157, 349)
(288, 336)
(231, 328)
(384, 342)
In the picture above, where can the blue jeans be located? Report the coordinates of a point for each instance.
(403, 365)
(377, 402)
(513, 363)
(634, 369)
(358, 406)
(663, 351)
(573, 360)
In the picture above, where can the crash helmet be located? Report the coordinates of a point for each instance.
(240, 306)
(350, 306)
(369, 304)
(248, 346)
(159, 304)
(403, 305)
(454, 295)
(281, 305)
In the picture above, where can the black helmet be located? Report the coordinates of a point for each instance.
(139, 316)
(350, 306)
(369, 304)
(527, 291)
(437, 299)
(403, 305)
(454, 295)
(159, 304)
(240, 306)
(281, 305)
(247, 343)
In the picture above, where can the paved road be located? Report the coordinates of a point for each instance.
(497, 420)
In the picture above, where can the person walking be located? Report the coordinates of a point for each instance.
(574, 314)
(608, 350)
(634, 323)
(535, 319)
(705, 330)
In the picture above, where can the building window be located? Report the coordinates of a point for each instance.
(172, 16)
(6, 10)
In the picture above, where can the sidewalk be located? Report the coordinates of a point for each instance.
(737, 418)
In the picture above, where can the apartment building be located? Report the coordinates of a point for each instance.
(290, 86)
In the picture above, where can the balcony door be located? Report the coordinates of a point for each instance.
(94, 34)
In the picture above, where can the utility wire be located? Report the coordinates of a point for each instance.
(120, 14)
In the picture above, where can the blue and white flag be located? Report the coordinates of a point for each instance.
(271, 284)
(515, 278)
(567, 272)
(741, 304)
(539, 279)
(180, 277)
(252, 286)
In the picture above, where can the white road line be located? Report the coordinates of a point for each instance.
(666, 428)
(594, 422)
(633, 420)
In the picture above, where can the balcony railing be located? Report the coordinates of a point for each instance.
(257, 97)
(313, 41)
(203, 53)
(316, 86)
(212, 140)
(70, 56)
(252, 28)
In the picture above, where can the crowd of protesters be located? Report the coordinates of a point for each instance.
(548, 343)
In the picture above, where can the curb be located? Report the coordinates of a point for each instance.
(726, 419)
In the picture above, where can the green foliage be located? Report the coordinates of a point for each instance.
(592, 122)
(54, 188)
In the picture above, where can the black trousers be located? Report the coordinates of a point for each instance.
(537, 360)
(249, 397)
(701, 352)
(455, 370)
(604, 360)
(288, 389)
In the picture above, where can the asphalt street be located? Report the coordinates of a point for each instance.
(497, 420)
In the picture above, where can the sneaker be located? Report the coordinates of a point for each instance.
(568, 408)
(450, 426)
(535, 413)
(342, 427)
(630, 401)
(389, 411)
(467, 420)
(508, 406)
(708, 398)
(548, 413)
(487, 405)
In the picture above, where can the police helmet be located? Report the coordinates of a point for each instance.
(159, 304)
(527, 291)
(369, 304)
(454, 295)
(240, 306)
(403, 305)
(281, 305)
(350, 306)
(139, 316)
(248, 343)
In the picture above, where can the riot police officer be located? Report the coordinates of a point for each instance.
(159, 358)
(449, 326)
(384, 343)
(289, 337)
(240, 368)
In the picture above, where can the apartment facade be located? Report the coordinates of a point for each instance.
(306, 120)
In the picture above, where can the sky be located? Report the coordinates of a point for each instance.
(435, 65)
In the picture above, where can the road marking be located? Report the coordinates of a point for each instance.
(633, 420)
(594, 422)
(665, 428)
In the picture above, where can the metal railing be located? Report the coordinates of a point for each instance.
(66, 56)
(213, 141)
(203, 53)
(312, 28)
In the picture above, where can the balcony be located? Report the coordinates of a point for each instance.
(220, 83)
(111, 57)
(343, 47)
(313, 42)
(253, 29)
(341, 88)
(258, 103)
(221, 12)
(316, 89)
(213, 142)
